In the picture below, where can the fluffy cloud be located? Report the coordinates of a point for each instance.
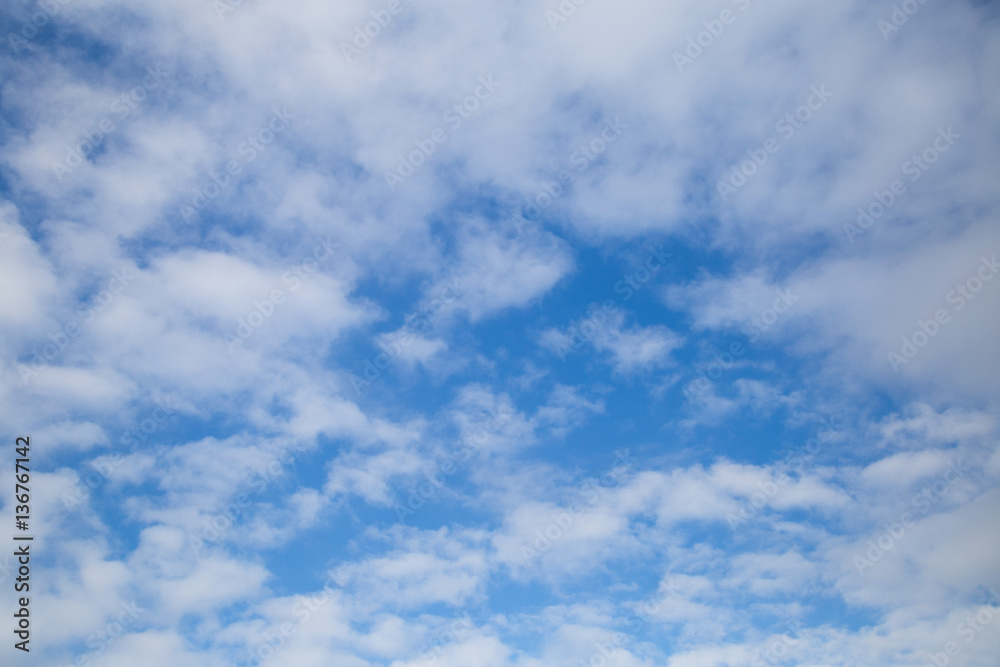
(274, 272)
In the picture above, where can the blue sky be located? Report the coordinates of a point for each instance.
(503, 334)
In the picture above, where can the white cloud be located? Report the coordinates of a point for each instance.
(632, 350)
(441, 259)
